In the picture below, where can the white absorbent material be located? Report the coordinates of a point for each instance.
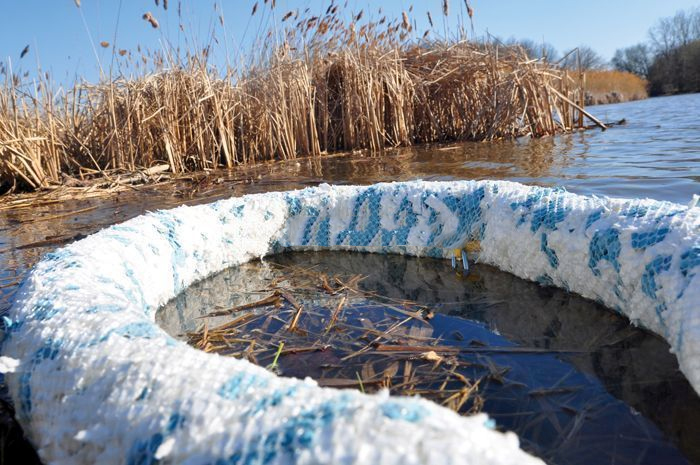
(99, 382)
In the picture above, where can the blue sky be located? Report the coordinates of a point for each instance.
(56, 32)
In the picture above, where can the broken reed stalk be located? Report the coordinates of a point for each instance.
(326, 85)
(315, 345)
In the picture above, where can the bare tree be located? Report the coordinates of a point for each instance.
(536, 50)
(635, 59)
(585, 56)
(695, 23)
(675, 31)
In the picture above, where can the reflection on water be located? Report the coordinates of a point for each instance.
(589, 388)
(656, 154)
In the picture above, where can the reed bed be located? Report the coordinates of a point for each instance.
(316, 85)
(614, 87)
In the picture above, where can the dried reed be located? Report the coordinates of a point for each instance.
(614, 87)
(321, 85)
(346, 337)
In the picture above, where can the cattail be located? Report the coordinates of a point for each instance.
(359, 16)
(77, 3)
(470, 11)
(287, 16)
(104, 44)
(151, 20)
(311, 22)
(122, 52)
(430, 19)
(322, 27)
(165, 4)
(25, 50)
(446, 7)
(157, 3)
(405, 23)
(255, 8)
(425, 34)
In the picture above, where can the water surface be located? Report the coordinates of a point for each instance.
(656, 154)
(575, 381)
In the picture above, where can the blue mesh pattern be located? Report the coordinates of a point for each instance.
(549, 215)
(642, 240)
(657, 265)
(85, 315)
(551, 254)
(143, 451)
(605, 245)
(467, 208)
(49, 351)
(593, 217)
(364, 223)
(689, 260)
(399, 236)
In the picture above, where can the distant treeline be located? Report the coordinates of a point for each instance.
(670, 59)
(602, 84)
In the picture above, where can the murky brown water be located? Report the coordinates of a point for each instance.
(656, 154)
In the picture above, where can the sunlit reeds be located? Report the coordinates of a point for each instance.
(614, 87)
(320, 84)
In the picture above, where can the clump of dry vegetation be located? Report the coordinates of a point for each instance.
(614, 87)
(317, 84)
(309, 323)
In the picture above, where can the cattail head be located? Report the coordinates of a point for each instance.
(430, 19)
(446, 7)
(151, 20)
(104, 44)
(470, 11)
(405, 23)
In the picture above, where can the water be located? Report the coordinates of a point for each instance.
(576, 382)
(655, 154)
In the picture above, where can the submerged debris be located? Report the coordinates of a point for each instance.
(325, 326)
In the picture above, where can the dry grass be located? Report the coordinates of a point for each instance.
(614, 87)
(309, 323)
(320, 85)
